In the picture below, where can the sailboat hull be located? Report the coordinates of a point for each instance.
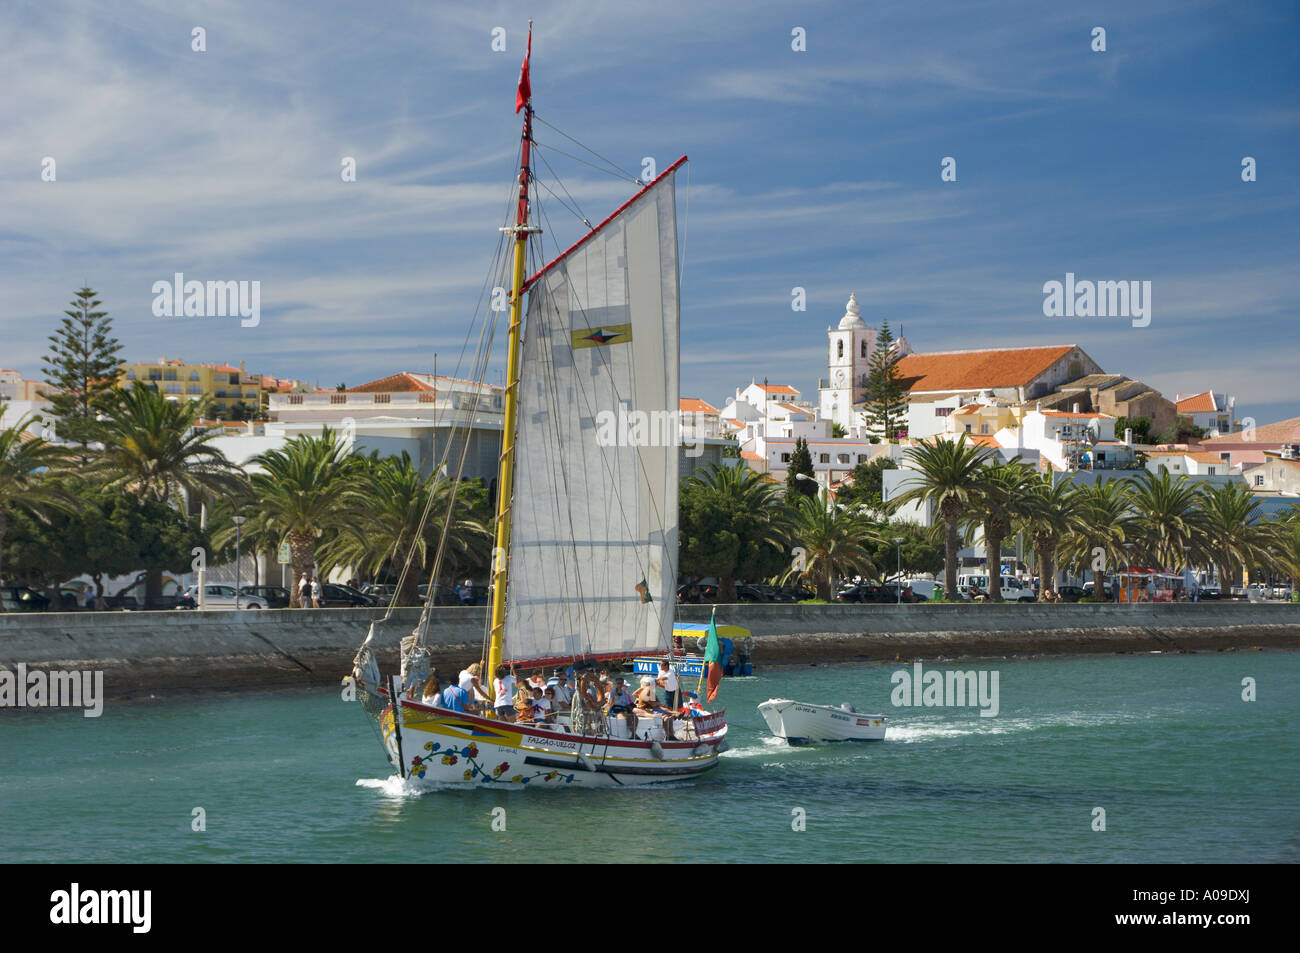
(445, 748)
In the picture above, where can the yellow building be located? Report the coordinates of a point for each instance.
(225, 384)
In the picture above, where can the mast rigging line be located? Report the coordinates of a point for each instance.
(583, 145)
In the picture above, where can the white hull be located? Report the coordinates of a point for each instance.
(801, 723)
(444, 748)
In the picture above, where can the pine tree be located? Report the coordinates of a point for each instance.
(800, 462)
(82, 368)
(886, 398)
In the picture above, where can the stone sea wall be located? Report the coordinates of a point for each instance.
(143, 653)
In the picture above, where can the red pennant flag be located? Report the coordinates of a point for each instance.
(525, 91)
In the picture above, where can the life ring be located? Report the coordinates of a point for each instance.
(702, 642)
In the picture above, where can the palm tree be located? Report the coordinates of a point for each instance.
(1048, 517)
(1167, 524)
(1100, 530)
(297, 494)
(834, 541)
(732, 524)
(1234, 534)
(154, 449)
(397, 516)
(948, 478)
(1002, 493)
(25, 463)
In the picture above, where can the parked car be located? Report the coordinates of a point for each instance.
(22, 599)
(863, 592)
(338, 596)
(218, 596)
(273, 597)
(1070, 593)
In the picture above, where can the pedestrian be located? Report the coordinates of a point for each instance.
(317, 594)
(304, 592)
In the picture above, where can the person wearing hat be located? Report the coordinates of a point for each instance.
(646, 697)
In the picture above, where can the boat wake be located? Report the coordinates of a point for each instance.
(394, 786)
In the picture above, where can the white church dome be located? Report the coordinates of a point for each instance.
(852, 317)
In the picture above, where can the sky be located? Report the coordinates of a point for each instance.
(816, 168)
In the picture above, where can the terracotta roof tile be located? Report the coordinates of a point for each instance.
(1197, 404)
(778, 389)
(970, 370)
(1284, 431)
(693, 405)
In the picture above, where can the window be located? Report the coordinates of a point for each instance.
(984, 428)
(864, 348)
(496, 402)
(383, 398)
(173, 388)
(968, 428)
(194, 375)
(169, 375)
(234, 378)
(825, 458)
(155, 374)
(1225, 456)
(943, 411)
(221, 393)
(785, 458)
(839, 348)
(427, 397)
(1212, 471)
(338, 398)
(194, 389)
(295, 399)
(842, 458)
(862, 458)
(1259, 479)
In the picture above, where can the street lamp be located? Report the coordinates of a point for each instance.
(239, 522)
(898, 584)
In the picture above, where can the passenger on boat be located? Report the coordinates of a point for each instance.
(524, 704)
(432, 691)
(542, 707)
(553, 696)
(562, 682)
(455, 698)
(619, 704)
(537, 680)
(594, 690)
(646, 697)
(503, 688)
(667, 680)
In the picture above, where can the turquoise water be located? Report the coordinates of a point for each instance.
(1185, 770)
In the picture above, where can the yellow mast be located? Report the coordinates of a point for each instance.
(506, 475)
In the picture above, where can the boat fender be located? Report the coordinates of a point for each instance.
(585, 763)
(657, 750)
(749, 645)
(700, 750)
(702, 642)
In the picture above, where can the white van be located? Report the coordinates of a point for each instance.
(1013, 590)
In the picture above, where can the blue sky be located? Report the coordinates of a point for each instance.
(817, 169)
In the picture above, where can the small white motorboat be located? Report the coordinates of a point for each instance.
(800, 723)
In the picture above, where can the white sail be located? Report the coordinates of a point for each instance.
(594, 517)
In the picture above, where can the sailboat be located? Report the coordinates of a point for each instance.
(585, 564)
